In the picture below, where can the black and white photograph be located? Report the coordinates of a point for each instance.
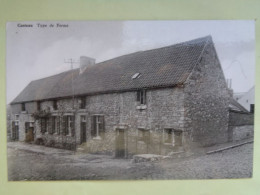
(130, 100)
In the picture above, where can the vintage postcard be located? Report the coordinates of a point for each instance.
(130, 100)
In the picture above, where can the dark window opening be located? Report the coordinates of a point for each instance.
(23, 106)
(38, 106)
(141, 96)
(82, 103)
(55, 105)
(252, 108)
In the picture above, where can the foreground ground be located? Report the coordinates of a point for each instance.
(31, 162)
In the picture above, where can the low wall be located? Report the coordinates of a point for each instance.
(243, 132)
(241, 125)
(240, 118)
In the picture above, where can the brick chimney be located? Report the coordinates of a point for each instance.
(85, 62)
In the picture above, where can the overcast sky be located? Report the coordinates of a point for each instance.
(36, 52)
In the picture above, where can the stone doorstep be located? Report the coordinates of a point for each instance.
(148, 158)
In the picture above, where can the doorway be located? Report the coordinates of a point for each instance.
(120, 151)
(83, 131)
(15, 131)
(29, 132)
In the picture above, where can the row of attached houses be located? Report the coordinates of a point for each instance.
(157, 101)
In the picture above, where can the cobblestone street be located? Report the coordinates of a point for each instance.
(31, 162)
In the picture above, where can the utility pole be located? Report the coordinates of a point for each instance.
(71, 62)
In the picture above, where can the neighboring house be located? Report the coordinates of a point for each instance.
(241, 122)
(247, 99)
(157, 101)
(8, 122)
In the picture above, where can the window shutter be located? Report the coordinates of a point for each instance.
(73, 125)
(53, 124)
(64, 125)
(93, 126)
(49, 125)
(144, 94)
(58, 124)
(138, 96)
(102, 125)
(102, 128)
(13, 130)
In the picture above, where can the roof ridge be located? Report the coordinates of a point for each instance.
(193, 41)
(54, 75)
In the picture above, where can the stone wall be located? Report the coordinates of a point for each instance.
(164, 109)
(206, 101)
(242, 132)
(240, 118)
(241, 125)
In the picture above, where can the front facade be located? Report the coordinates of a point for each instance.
(160, 101)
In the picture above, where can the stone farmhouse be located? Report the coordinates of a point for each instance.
(158, 101)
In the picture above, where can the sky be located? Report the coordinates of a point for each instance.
(42, 50)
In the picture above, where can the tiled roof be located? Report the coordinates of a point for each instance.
(166, 66)
(234, 105)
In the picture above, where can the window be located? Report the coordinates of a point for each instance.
(23, 106)
(136, 75)
(252, 108)
(27, 126)
(17, 117)
(55, 105)
(15, 130)
(69, 125)
(98, 126)
(143, 135)
(172, 137)
(43, 122)
(38, 106)
(141, 96)
(82, 103)
(54, 125)
(168, 137)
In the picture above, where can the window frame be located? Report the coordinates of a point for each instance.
(173, 140)
(38, 106)
(55, 105)
(252, 108)
(141, 96)
(82, 103)
(143, 135)
(98, 126)
(23, 108)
